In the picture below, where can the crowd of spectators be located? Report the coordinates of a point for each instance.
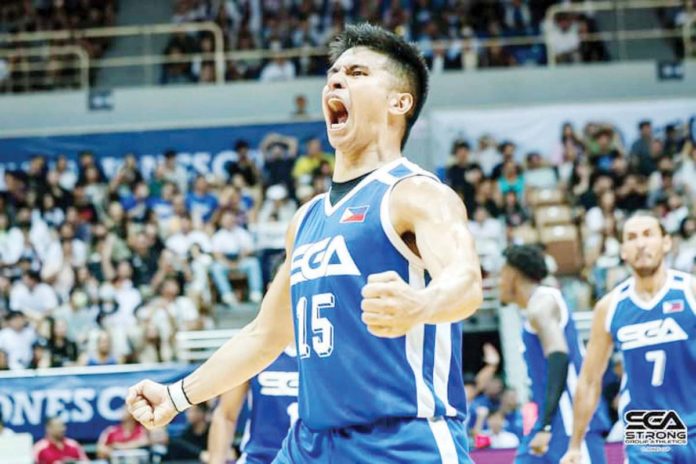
(452, 34)
(99, 270)
(601, 177)
(21, 71)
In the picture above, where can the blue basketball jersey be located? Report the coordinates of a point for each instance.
(537, 369)
(347, 375)
(658, 341)
(272, 401)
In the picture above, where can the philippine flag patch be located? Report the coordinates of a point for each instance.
(355, 214)
(673, 306)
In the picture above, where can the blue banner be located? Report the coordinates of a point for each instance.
(87, 399)
(202, 150)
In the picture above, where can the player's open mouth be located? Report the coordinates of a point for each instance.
(338, 113)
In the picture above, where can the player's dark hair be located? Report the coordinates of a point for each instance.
(527, 259)
(648, 214)
(405, 57)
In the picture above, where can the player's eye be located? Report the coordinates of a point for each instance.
(358, 72)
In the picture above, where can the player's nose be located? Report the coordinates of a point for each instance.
(336, 81)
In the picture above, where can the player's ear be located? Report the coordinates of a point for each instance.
(400, 103)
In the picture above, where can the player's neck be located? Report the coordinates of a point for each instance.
(352, 164)
(647, 287)
(524, 294)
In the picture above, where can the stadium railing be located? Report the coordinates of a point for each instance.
(156, 57)
(618, 35)
(72, 57)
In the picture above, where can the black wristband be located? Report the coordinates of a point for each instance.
(172, 399)
(556, 377)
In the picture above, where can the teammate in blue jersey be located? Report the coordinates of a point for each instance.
(554, 355)
(379, 274)
(651, 320)
(271, 397)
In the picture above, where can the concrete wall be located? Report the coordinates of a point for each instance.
(187, 106)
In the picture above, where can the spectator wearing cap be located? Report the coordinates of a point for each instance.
(200, 203)
(33, 297)
(16, 340)
(243, 166)
(306, 164)
(233, 248)
(127, 435)
(55, 447)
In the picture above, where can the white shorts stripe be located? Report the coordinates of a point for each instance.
(443, 357)
(444, 440)
(415, 340)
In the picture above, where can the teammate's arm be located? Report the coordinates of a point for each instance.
(223, 424)
(239, 359)
(589, 388)
(544, 317)
(436, 217)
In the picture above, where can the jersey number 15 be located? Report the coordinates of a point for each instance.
(321, 328)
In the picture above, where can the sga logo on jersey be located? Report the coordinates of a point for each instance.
(650, 333)
(654, 427)
(327, 257)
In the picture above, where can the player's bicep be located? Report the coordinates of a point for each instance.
(600, 346)
(437, 217)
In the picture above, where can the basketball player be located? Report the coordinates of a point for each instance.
(554, 354)
(381, 271)
(651, 319)
(272, 399)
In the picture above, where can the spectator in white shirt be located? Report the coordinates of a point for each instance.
(233, 248)
(66, 176)
(278, 70)
(174, 172)
(16, 340)
(182, 241)
(33, 297)
(500, 438)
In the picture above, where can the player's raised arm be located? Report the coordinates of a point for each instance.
(589, 388)
(223, 424)
(436, 217)
(239, 359)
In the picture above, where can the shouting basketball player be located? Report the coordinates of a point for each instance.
(651, 319)
(380, 273)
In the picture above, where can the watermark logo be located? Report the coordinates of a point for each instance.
(654, 427)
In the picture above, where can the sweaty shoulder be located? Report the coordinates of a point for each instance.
(421, 197)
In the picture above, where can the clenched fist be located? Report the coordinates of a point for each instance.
(149, 403)
(572, 456)
(390, 306)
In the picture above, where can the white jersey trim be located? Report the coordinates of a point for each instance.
(648, 305)
(687, 287)
(385, 216)
(560, 301)
(415, 343)
(443, 358)
(303, 215)
(614, 299)
(444, 441)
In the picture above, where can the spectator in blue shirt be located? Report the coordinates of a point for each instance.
(200, 203)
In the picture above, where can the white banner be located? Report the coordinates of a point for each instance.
(538, 128)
